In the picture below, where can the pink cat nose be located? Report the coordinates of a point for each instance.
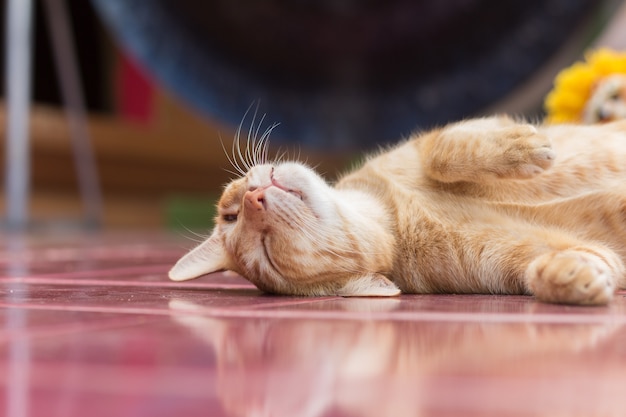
(255, 199)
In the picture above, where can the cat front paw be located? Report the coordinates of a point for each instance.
(572, 276)
(527, 152)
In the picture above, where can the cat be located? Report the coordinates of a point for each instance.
(488, 205)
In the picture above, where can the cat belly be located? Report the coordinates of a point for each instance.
(447, 246)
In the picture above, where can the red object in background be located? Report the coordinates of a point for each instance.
(135, 92)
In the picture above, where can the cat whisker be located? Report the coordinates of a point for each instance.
(263, 146)
(236, 149)
(196, 240)
(256, 147)
(265, 150)
(233, 158)
(282, 156)
(257, 153)
(236, 174)
(230, 160)
(316, 167)
(257, 143)
(256, 132)
(248, 162)
(241, 157)
(197, 237)
(269, 130)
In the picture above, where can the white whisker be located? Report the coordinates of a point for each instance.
(241, 157)
(264, 143)
(280, 157)
(256, 132)
(197, 237)
(249, 141)
(237, 146)
(236, 174)
(266, 149)
(256, 148)
(256, 142)
(230, 160)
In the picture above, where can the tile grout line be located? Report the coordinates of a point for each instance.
(346, 315)
(122, 283)
(128, 270)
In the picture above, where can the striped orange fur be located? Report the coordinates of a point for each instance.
(487, 205)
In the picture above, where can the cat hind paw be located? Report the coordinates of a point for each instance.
(572, 277)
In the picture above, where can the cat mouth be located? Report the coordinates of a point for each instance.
(275, 183)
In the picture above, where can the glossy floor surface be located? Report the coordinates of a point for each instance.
(92, 327)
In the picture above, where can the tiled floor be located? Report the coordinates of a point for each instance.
(92, 327)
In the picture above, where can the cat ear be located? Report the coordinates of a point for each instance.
(369, 285)
(205, 258)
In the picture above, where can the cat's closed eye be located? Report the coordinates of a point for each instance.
(230, 217)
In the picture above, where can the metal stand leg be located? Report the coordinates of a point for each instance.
(75, 109)
(18, 86)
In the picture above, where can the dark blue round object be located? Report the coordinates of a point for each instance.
(343, 73)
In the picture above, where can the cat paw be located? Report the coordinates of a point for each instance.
(527, 152)
(571, 277)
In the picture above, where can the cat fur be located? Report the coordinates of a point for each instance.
(487, 205)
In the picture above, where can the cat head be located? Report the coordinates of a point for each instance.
(287, 231)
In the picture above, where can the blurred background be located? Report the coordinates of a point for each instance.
(166, 82)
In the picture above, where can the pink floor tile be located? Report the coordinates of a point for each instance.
(92, 327)
(458, 308)
(136, 299)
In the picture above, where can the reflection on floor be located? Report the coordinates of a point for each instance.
(92, 327)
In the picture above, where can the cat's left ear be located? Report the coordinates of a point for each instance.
(369, 285)
(209, 256)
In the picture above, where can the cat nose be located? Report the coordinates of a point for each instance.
(255, 199)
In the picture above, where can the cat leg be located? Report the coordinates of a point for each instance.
(483, 150)
(510, 257)
(601, 215)
(577, 275)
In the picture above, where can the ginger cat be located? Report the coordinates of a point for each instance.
(487, 205)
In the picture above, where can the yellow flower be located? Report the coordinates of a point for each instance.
(573, 86)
